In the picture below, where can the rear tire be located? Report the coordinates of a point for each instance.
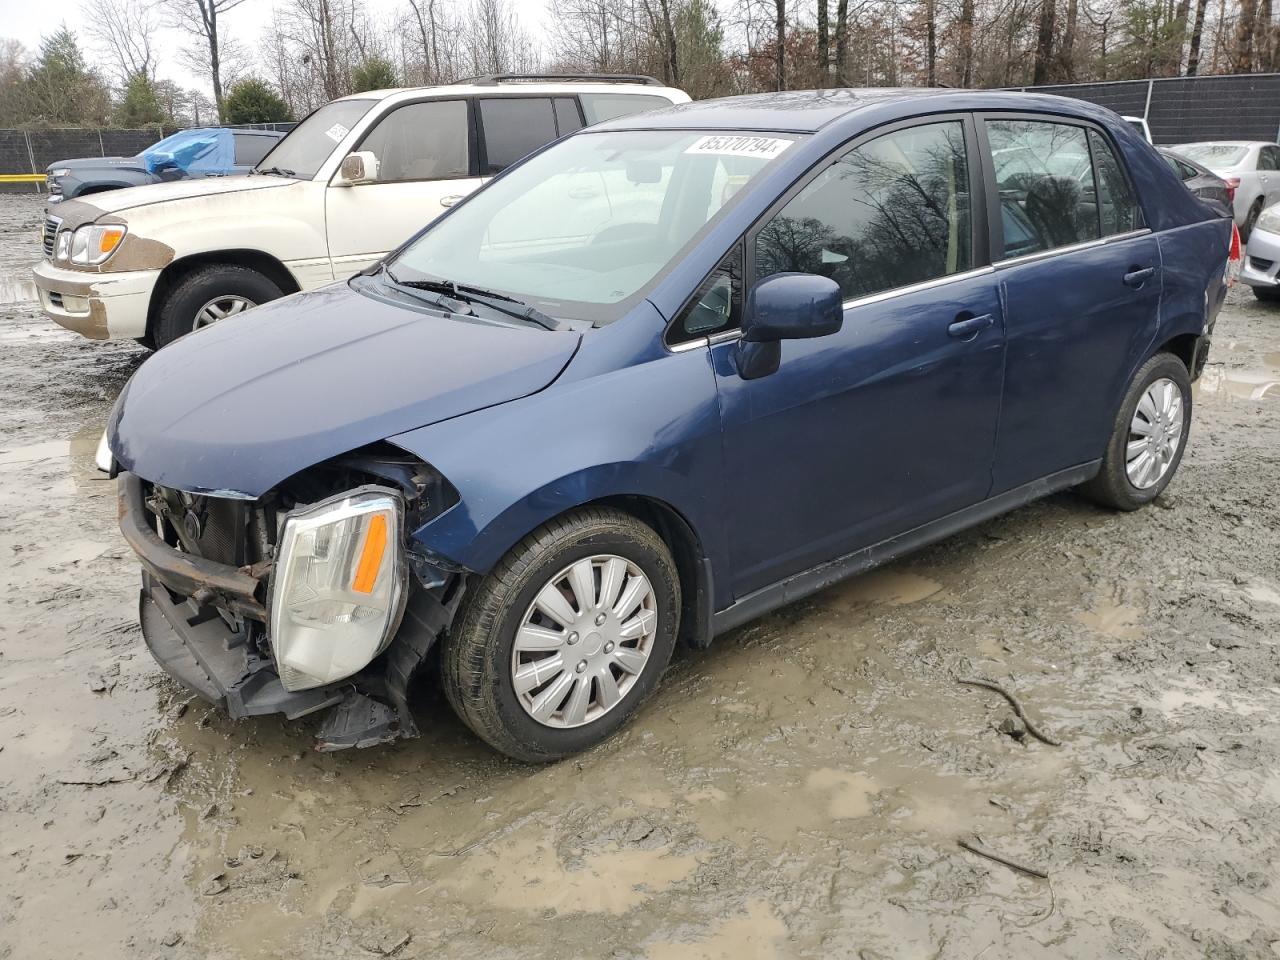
(1141, 457)
(217, 283)
(1250, 219)
(1267, 294)
(487, 675)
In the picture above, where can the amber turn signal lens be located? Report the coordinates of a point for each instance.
(110, 240)
(375, 545)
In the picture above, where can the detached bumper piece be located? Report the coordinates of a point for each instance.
(197, 646)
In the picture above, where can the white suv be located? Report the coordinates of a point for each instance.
(352, 181)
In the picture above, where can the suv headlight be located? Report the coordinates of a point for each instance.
(60, 172)
(339, 586)
(91, 245)
(1270, 220)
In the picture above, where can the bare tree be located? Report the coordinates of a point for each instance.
(780, 12)
(125, 33)
(199, 19)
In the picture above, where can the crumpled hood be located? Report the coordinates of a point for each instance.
(239, 406)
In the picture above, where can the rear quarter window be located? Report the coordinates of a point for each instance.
(599, 107)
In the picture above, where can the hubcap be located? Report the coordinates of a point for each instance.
(219, 308)
(584, 641)
(1155, 434)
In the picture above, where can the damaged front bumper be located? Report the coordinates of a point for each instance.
(198, 619)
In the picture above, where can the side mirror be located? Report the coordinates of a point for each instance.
(359, 167)
(785, 306)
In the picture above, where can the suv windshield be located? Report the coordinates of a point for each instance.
(580, 229)
(306, 147)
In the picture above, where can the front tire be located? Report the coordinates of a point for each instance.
(1267, 294)
(1251, 218)
(566, 637)
(209, 294)
(1148, 437)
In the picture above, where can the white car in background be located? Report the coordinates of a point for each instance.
(1140, 125)
(352, 181)
(1250, 167)
(1261, 266)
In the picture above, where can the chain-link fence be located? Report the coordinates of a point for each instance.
(1187, 109)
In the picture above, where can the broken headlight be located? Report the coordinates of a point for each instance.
(339, 586)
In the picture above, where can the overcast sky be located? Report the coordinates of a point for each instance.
(28, 22)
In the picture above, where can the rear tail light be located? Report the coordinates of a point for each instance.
(1233, 256)
(1232, 183)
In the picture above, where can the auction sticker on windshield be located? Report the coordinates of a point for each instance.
(336, 132)
(733, 146)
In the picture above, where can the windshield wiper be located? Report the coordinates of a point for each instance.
(446, 302)
(276, 171)
(494, 301)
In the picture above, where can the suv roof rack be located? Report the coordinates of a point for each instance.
(493, 79)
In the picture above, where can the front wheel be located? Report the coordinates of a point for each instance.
(207, 295)
(566, 637)
(1147, 438)
(1267, 294)
(1251, 218)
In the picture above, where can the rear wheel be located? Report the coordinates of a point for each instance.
(1147, 438)
(566, 637)
(1250, 219)
(207, 295)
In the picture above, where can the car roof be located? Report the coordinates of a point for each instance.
(520, 88)
(1224, 143)
(808, 111)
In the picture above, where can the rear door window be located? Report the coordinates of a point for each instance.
(1117, 207)
(1045, 181)
(252, 147)
(513, 128)
(422, 141)
(892, 212)
(1269, 158)
(599, 107)
(567, 117)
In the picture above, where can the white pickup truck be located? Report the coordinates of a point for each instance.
(355, 179)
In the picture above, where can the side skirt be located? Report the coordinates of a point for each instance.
(801, 585)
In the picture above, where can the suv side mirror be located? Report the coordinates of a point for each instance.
(358, 167)
(785, 306)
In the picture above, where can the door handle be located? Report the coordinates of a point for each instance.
(1136, 276)
(450, 200)
(970, 327)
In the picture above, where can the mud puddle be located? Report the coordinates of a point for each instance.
(797, 790)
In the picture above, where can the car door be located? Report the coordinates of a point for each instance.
(890, 422)
(1080, 279)
(426, 162)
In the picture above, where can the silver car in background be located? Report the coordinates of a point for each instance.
(1262, 256)
(1251, 168)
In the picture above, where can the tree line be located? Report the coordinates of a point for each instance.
(316, 50)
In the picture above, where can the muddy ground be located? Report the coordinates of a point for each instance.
(796, 791)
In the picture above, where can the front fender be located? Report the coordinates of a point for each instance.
(648, 430)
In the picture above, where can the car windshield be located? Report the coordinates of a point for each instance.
(582, 228)
(306, 147)
(1214, 154)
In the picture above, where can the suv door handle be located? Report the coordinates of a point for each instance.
(970, 327)
(1136, 277)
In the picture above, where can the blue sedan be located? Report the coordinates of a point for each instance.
(661, 377)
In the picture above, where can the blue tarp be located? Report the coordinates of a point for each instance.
(193, 152)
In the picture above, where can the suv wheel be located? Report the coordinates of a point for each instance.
(207, 295)
(565, 637)
(1267, 294)
(1148, 437)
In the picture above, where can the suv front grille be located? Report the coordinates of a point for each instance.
(1260, 264)
(50, 235)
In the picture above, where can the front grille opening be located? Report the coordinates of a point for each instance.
(1258, 263)
(50, 235)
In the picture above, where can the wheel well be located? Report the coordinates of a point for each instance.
(691, 563)
(100, 189)
(1183, 347)
(264, 263)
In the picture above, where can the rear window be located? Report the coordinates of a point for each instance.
(1214, 154)
(599, 107)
